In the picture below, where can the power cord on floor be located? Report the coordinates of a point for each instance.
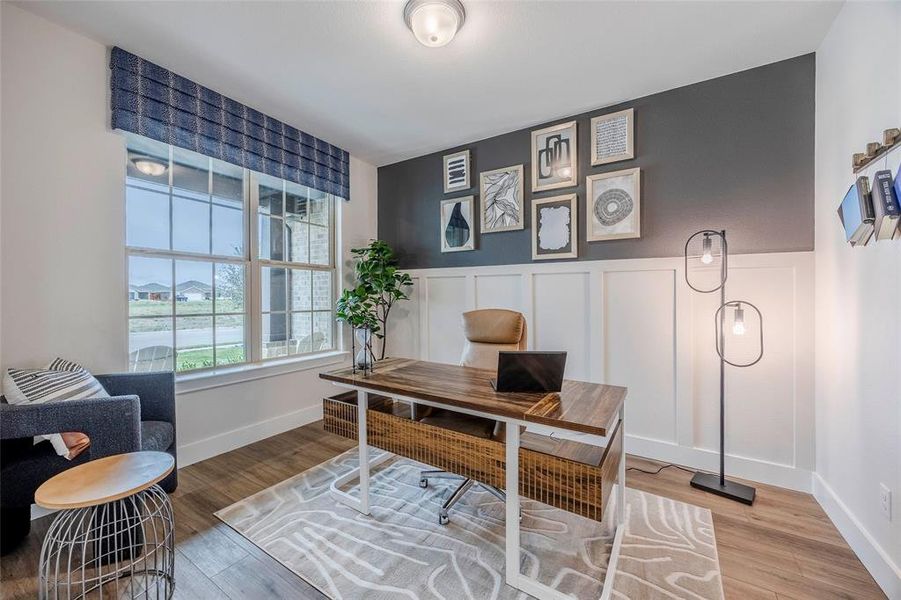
(666, 466)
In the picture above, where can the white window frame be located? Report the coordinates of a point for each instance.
(253, 264)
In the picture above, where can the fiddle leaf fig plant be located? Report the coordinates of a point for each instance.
(379, 286)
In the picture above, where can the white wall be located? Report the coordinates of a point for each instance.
(63, 236)
(858, 329)
(636, 323)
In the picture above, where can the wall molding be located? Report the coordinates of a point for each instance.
(635, 322)
(874, 557)
(220, 443)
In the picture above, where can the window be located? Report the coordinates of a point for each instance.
(225, 265)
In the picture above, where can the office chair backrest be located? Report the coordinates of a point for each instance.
(489, 331)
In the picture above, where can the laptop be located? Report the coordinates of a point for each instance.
(529, 371)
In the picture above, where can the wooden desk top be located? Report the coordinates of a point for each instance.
(104, 480)
(580, 406)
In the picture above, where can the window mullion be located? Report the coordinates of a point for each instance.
(253, 279)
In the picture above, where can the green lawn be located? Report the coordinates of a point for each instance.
(157, 308)
(203, 357)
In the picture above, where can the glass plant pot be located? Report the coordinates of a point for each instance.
(363, 359)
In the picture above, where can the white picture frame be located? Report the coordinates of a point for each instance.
(555, 161)
(606, 196)
(456, 172)
(501, 193)
(554, 232)
(613, 137)
(451, 235)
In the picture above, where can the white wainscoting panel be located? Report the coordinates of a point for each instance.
(639, 347)
(499, 291)
(446, 300)
(403, 326)
(561, 313)
(636, 323)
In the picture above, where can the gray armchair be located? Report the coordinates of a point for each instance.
(139, 415)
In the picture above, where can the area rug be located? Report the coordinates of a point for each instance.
(401, 551)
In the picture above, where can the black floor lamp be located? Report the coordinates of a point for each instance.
(706, 252)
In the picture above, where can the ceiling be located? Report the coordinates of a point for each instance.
(352, 74)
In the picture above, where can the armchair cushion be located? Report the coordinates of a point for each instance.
(156, 435)
(61, 381)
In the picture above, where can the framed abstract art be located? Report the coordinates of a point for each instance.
(614, 205)
(554, 161)
(456, 172)
(501, 191)
(458, 231)
(612, 137)
(554, 227)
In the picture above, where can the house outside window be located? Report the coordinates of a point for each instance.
(225, 266)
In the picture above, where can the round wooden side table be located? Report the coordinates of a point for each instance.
(114, 535)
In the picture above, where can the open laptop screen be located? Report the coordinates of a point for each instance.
(531, 371)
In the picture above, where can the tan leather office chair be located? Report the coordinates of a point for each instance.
(488, 332)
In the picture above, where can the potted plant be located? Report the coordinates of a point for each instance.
(355, 308)
(367, 306)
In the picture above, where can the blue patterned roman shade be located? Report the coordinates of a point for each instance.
(154, 102)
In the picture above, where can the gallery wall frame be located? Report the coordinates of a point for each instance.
(613, 201)
(555, 226)
(555, 157)
(458, 230)
(501, 192)
(456, 171)
(613, 137)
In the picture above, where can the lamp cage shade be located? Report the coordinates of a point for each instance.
(739, 333)
(706, 261)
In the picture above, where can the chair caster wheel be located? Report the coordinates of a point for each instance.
(423, 483)
(443, 519)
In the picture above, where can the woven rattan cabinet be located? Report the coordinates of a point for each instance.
(564, 474)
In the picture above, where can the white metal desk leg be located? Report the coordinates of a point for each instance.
(362, 409)
(512, 505)
(619, 519)
(360, 504)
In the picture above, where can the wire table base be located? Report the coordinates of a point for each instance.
(123, 549)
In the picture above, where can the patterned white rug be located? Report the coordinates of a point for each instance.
(401, 551)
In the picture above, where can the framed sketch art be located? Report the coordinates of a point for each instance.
(458, 232)
(456, 172)
(554, 162)
(501, 192)
(614, 205)
(554, 227)
(612, 137)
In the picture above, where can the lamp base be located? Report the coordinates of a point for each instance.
(710, 482)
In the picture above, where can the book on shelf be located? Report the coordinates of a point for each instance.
(886, 210)
(856, 213)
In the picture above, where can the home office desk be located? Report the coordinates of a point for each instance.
(574, 468)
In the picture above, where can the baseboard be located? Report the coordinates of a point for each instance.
(193, 452)
(744, 468)
(873, 556)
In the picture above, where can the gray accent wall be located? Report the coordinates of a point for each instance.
(732, 153)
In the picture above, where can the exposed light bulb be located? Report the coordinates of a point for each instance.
(707, 250)
(434, 23)
(738, 323)
(147, 165)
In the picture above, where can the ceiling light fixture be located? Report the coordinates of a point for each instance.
(149, 165)
(434, 22)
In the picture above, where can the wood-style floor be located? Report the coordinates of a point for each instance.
(784, 547)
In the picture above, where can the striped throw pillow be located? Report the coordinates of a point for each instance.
(62, 380)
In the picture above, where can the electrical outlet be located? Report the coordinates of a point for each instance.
(885, 500)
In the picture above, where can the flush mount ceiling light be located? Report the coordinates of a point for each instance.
(149, 165)
(434, 22)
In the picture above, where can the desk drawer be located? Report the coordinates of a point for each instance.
(546, 472)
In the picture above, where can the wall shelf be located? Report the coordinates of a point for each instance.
(880, 154)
